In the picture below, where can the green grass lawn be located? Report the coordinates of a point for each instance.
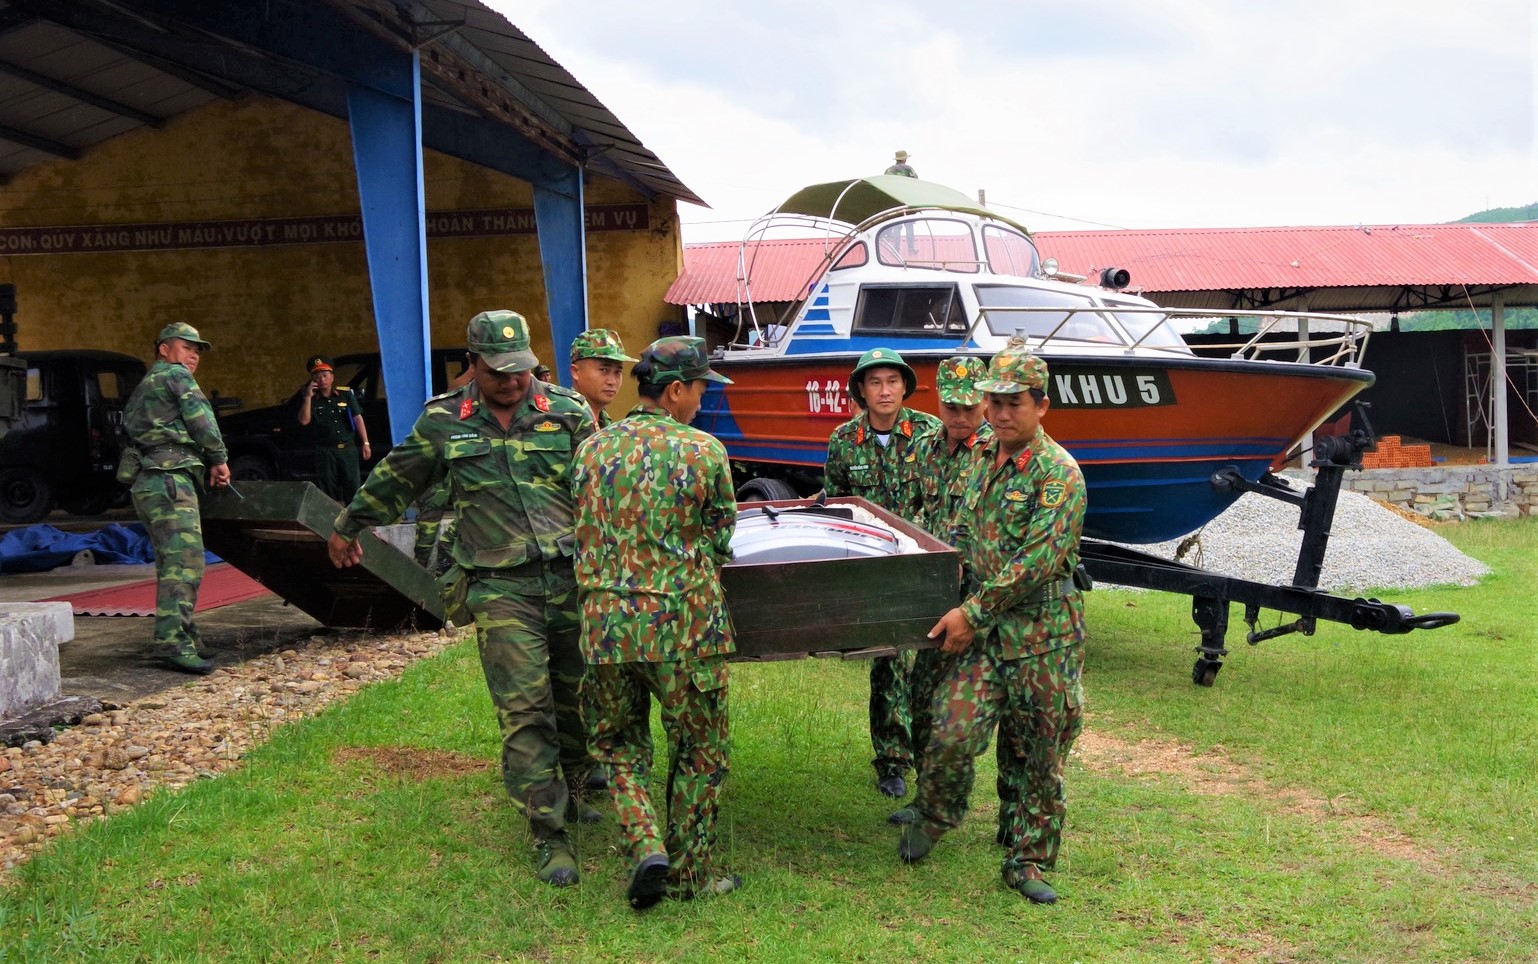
(1347, 796)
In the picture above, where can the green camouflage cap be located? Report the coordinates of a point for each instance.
(599, 343)
(501, 338)
(679, 358)
(184, 331)
(881, 358)
(956, 380)
(1013, 371)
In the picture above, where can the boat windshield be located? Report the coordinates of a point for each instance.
(1148, 327)
(1043, 312)
(1010, 252)
(942, 243)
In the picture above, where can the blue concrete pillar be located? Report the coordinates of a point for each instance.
(387, 150)
(558, 214)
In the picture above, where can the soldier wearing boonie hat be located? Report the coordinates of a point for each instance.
(874, 455)
(949, 453)
(655, 513)
(596, 369)
(1017, 637)
(505, 442)
(901, 166)
(335, 420)
(174, 437)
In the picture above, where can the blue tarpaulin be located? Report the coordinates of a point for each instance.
(43, 547)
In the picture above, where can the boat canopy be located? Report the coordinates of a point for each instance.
(854, 201)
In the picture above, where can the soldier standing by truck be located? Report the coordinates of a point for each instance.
(875, 456)
(174, 436)
(948, 454)
(1018, 637)
(332, 412)
(506, 442)
(655, 514)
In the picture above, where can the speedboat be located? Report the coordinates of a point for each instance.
(925, 270)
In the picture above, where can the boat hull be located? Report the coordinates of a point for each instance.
(1148, 433)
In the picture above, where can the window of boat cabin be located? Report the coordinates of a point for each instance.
(854, 257)
(1044, 312)
(939, 243)
(1159, 333)
(1010, 252)
(910, 310)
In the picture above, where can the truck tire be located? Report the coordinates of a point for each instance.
(25, 496)
(765, 490)
(252, 468)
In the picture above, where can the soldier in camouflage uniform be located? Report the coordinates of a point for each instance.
(1018, 637)
(901, 167)
(948, 454)
(174, 436)
(875, 456)
(596, 369)
(506, 442)
(335, 420)
(655, 513)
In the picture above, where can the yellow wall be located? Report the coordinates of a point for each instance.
(266, 308)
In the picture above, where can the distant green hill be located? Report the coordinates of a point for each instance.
(1503, 215)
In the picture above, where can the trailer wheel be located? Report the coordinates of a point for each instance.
(25, 496)
(1205, 672)
(765, 490)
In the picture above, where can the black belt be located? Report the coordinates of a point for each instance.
(1056, 589)
(344, 445)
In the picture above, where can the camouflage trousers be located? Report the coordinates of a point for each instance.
(527, 640)
(891, 715)
(930, 668)
(167, 503)
(1037, 702)
(692, 696)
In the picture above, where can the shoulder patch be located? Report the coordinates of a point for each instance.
(1053, 493)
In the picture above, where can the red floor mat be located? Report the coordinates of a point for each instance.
(222, 584)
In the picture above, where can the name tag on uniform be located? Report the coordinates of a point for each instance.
(458, 436)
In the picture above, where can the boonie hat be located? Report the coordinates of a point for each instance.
(881, 358)
(680, 358)
(501, 338)
(319, 363)
(1013, 371)
(956, 380)
(902, 156)
(599, 343)
(184, 331)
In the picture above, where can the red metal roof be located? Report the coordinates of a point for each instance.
(1192, 260)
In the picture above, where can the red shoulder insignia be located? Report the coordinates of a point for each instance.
(972, 441)
(542, 403)
(859, 434)
(907, 428)
(1023, 459)
(466, 408)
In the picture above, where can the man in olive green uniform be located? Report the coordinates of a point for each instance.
(948, 455)
(174, 436)
(655, 514)
(506, 442)
(875, 456)
(1018, 637)
(335, 419)
(597, 370)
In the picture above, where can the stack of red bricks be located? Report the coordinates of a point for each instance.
(1392, 453)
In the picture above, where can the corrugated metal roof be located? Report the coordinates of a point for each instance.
(1378, 267)
(74, 75)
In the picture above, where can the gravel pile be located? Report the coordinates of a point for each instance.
(117, 757)
(1371, 547)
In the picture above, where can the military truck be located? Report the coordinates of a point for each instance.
(62, 451)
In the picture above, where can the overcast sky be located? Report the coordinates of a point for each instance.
(1121, 113)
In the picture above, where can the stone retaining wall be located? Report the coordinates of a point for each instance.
(1453, 491)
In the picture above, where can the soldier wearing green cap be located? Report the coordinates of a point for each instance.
(505, 443)
(174, 438)
(1018, 637)
(948, 454)
(335, 419)
(875, 455)
(655, 514)
(597, 369)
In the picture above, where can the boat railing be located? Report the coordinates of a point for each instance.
(1344, 347)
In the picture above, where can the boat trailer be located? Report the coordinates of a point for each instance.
(1212, 593)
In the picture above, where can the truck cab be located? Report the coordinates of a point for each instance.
(63, 449)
